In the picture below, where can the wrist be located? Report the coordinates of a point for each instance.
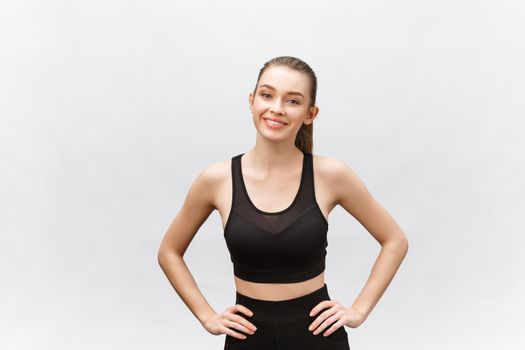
(360, 312)
(203, 319)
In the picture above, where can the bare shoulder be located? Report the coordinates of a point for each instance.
(198, 205)
(350, 192)
(341, 179)
(211, 177)
(329, 167)
(216, 171)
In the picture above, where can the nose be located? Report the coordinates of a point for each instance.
(277, 107)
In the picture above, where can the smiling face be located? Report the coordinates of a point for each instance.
(282, 95)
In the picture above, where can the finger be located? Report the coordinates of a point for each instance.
(243, 322)
(327, 323)
(322, 305)
(333, 328)
(235, 324)
(234, 334)
(320, 320)
(243, 309)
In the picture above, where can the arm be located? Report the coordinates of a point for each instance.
(197, 206)
(355, 198)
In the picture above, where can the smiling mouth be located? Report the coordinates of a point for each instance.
(275, 122)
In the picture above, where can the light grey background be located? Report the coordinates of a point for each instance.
(109, 109)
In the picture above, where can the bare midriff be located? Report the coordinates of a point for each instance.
(279, 291)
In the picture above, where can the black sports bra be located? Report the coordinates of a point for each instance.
(276, 247)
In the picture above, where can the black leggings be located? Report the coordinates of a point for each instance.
(283, 325)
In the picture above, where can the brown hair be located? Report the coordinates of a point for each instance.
(304, 138)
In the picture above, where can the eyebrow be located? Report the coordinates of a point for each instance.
(289, 92)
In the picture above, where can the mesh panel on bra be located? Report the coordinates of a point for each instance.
(273, 222)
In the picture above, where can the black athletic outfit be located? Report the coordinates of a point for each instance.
(280, 247)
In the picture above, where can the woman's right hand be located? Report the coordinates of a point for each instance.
(226, 322)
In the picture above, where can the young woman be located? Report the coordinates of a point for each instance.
(274, 202)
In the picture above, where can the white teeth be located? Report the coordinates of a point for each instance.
(273, 122)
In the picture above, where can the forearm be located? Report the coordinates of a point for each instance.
(383, 271)
(182, 280)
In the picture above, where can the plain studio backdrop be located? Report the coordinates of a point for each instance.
(110, 109)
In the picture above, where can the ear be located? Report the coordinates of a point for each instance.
(312, 114)
(250, 101)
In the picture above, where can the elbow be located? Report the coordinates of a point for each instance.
(159, 256)
(403, 246)
(397, 240)
(162, 255)
(402, 241)
(399, 244)
(166, 254)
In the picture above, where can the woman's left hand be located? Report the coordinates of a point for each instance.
(336, 315)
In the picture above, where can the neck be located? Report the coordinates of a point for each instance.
(264, 157)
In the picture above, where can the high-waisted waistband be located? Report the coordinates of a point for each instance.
(278, 312)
